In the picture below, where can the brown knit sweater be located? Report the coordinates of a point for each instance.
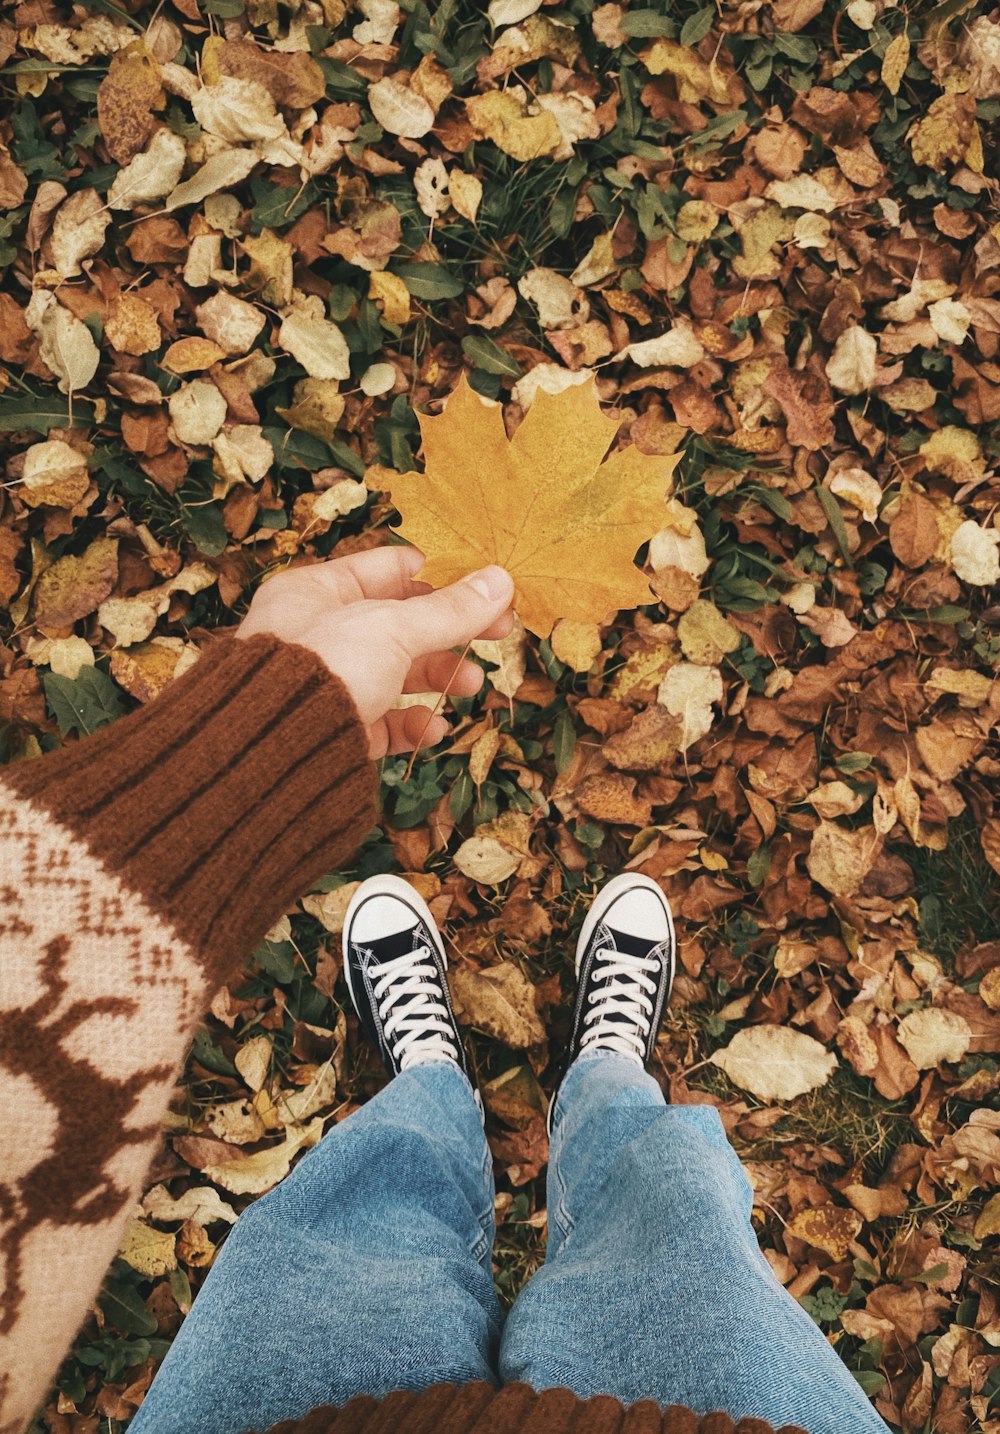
(138, 868)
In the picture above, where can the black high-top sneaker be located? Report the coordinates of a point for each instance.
(395, 965)
(625, 962)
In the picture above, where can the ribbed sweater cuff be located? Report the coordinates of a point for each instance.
(226, 797)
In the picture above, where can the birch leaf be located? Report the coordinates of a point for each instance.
(851, 366)
(66, 344)
(775, 1062)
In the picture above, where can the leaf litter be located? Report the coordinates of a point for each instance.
(276, 282)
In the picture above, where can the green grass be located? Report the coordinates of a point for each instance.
(957, 890)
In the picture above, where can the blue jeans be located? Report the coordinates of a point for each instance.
(369, 1269)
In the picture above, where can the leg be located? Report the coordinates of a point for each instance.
(654, 1285)
(368, 1269)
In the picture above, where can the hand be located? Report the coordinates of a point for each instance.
(384, 634)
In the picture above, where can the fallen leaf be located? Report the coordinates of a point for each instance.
(775, 1062)
(151, 1252)
(559, 302)
(256, 1174)
(514, 123)
(314, 341)
(933, 1035)
(508, 654)
(78, 230)
(197, 411)
(851, 366)
(65, 343)
(133, 326)
(838, 859)
(975, 554)
(706, 636)
(829, 1228)
(676, 348)
(466, 193)
(690, 692)
(239, 111)
(151, 174)
(253, 1061)
(73, 587)
(499, 1001)
(231, 323)
(222, 171)
(483, 858)
(200, 1203)
(126, 100)
(399, 109)
(576, 643)
(54, 473)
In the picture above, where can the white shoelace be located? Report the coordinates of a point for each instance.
(622, 995)
(422, 1027)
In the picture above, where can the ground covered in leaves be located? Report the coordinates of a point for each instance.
(243, 247)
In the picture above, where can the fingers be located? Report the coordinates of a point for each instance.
(385, 572)
(456, 614)
(499, 629)
(400, 731)
(436, 672)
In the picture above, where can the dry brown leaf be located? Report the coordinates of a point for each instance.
(610, 797)
(483, 858)
(857, 1045)
(706, 636)
(829, 1227)
(259, 1173)
(499, 1001)
(839, 860)
(73, 587)
(126, 100)
(518, 127)
(151, 1252)
(55, 474)
(576, 643)
(650, 743)
(293, 80)
(399, 109)
(133, 326)
(78, 230)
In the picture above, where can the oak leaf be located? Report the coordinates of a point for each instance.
(542, 505)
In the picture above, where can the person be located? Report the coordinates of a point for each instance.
(140, 866)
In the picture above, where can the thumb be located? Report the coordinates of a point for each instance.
(456, 614)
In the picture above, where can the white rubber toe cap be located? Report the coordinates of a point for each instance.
(639, 912)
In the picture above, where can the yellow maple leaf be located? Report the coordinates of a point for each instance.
(543, 505)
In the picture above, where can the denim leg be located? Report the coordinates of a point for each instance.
(368, 1269)
(654, 1286)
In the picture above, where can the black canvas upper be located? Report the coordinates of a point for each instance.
(363, 956)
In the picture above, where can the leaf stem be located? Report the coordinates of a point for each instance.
(434, 711)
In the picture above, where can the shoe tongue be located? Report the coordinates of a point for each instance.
(399, 943)
(630, 945)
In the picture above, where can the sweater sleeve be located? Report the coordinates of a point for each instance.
(138, 869)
